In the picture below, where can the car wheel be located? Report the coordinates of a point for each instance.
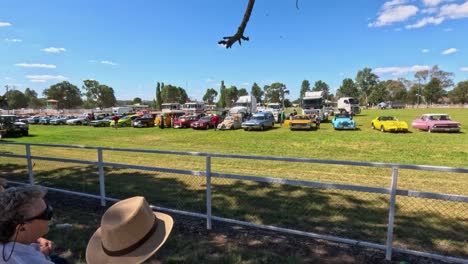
(78, 123)
(26, 133)
(103, 125)
(372, 126)
(124, 124)
(382, 129)
(232, 127)
(262, 128)
(429, 129)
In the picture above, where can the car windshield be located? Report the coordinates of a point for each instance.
(387, 118)
(206, 118)
(258, 118)
(301, 118)
(342, 116)
(439, 117)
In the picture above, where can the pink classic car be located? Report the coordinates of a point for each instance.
(436, 122)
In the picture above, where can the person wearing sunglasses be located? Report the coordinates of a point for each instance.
(24, 219)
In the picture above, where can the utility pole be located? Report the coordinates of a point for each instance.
(8, 103)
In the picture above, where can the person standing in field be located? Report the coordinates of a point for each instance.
(116, 121)
(215, 121)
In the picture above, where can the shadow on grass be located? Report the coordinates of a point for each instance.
(349, 214)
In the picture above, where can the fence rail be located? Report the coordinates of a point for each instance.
(392, 193)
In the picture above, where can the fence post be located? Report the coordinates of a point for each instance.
(208, 192)
(391, 214)
(30, 164)
(102, 188)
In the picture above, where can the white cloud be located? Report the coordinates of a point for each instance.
(424, 50)
(4, 24)
(392, 3)
(425, 21)
(401, 70)
(54, 50)
(245, 84)
(464, 69)
(432, 2)
(394, 14)
(36, 65)
(430, 10)
(38, 81)
(448, 29)
(44, 78)
(454, 11)
(13, 40)
(108, 62)
(449, 51)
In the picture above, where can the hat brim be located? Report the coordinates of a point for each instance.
(95, 253)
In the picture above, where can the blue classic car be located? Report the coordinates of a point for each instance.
(343, 121)
(259, 121)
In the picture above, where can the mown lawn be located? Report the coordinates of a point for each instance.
(421, 224)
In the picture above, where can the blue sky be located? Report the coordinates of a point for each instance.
(131, 45)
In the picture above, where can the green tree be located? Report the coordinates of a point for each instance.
(379, 93)
(257, 92)
(222, 95)
(98, 95)
(347, 89)
(273, 92)
(158, 96)
(396, 90)
(137, 100)
(67, 95)
(460, 93)
(444, 77)
(412, 96)
(33, 101)
(231, 95)
(366, 81)
(210, 96)
(433, 90)
(173, 94)
(322, 86)
(16, 99)
(305, 87)
(242, 92)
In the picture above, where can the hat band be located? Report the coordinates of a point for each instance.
(117, 253)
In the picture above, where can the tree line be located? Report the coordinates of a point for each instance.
(428, 87)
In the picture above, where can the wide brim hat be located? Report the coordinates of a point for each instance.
(130, 232)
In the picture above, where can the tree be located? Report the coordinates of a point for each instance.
(158, 96)
(347, 89)
(421, 77)
(242, 92)
(443, 76)
(232, 94)
(137, 100)
(433, 90)
(366, 81)
(209, 96)
(305, 87)
(239, 36)
(257, 92)
(322, 86)
(98, 95)
(16, 99)
(222, 97)
(33, 101)
(171, 94)
(67, 95)
(396, 90)
(460, 93)
(413, 94)
(274, 92)
(379, 93)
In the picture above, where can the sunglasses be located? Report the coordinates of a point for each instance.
(45, 215)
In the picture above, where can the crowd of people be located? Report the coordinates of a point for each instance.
(130, 231)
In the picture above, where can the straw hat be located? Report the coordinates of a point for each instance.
(130, 232)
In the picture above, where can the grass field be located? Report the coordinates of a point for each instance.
(421, 224)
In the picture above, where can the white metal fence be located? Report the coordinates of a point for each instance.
(296, 199)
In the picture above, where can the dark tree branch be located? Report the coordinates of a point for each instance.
(239, 36)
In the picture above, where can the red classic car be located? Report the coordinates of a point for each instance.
(203, 123)
(185, 121)
(436, 122)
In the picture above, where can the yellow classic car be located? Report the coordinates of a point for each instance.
(389, 124)
(301, 122)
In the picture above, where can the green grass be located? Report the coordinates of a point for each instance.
(421, 224)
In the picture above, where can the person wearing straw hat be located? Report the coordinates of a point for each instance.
(130, 232)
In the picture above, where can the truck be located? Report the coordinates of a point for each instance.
(275, 108)
(313, 103)
(349, 104)
(122, 110)
(245, 106)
